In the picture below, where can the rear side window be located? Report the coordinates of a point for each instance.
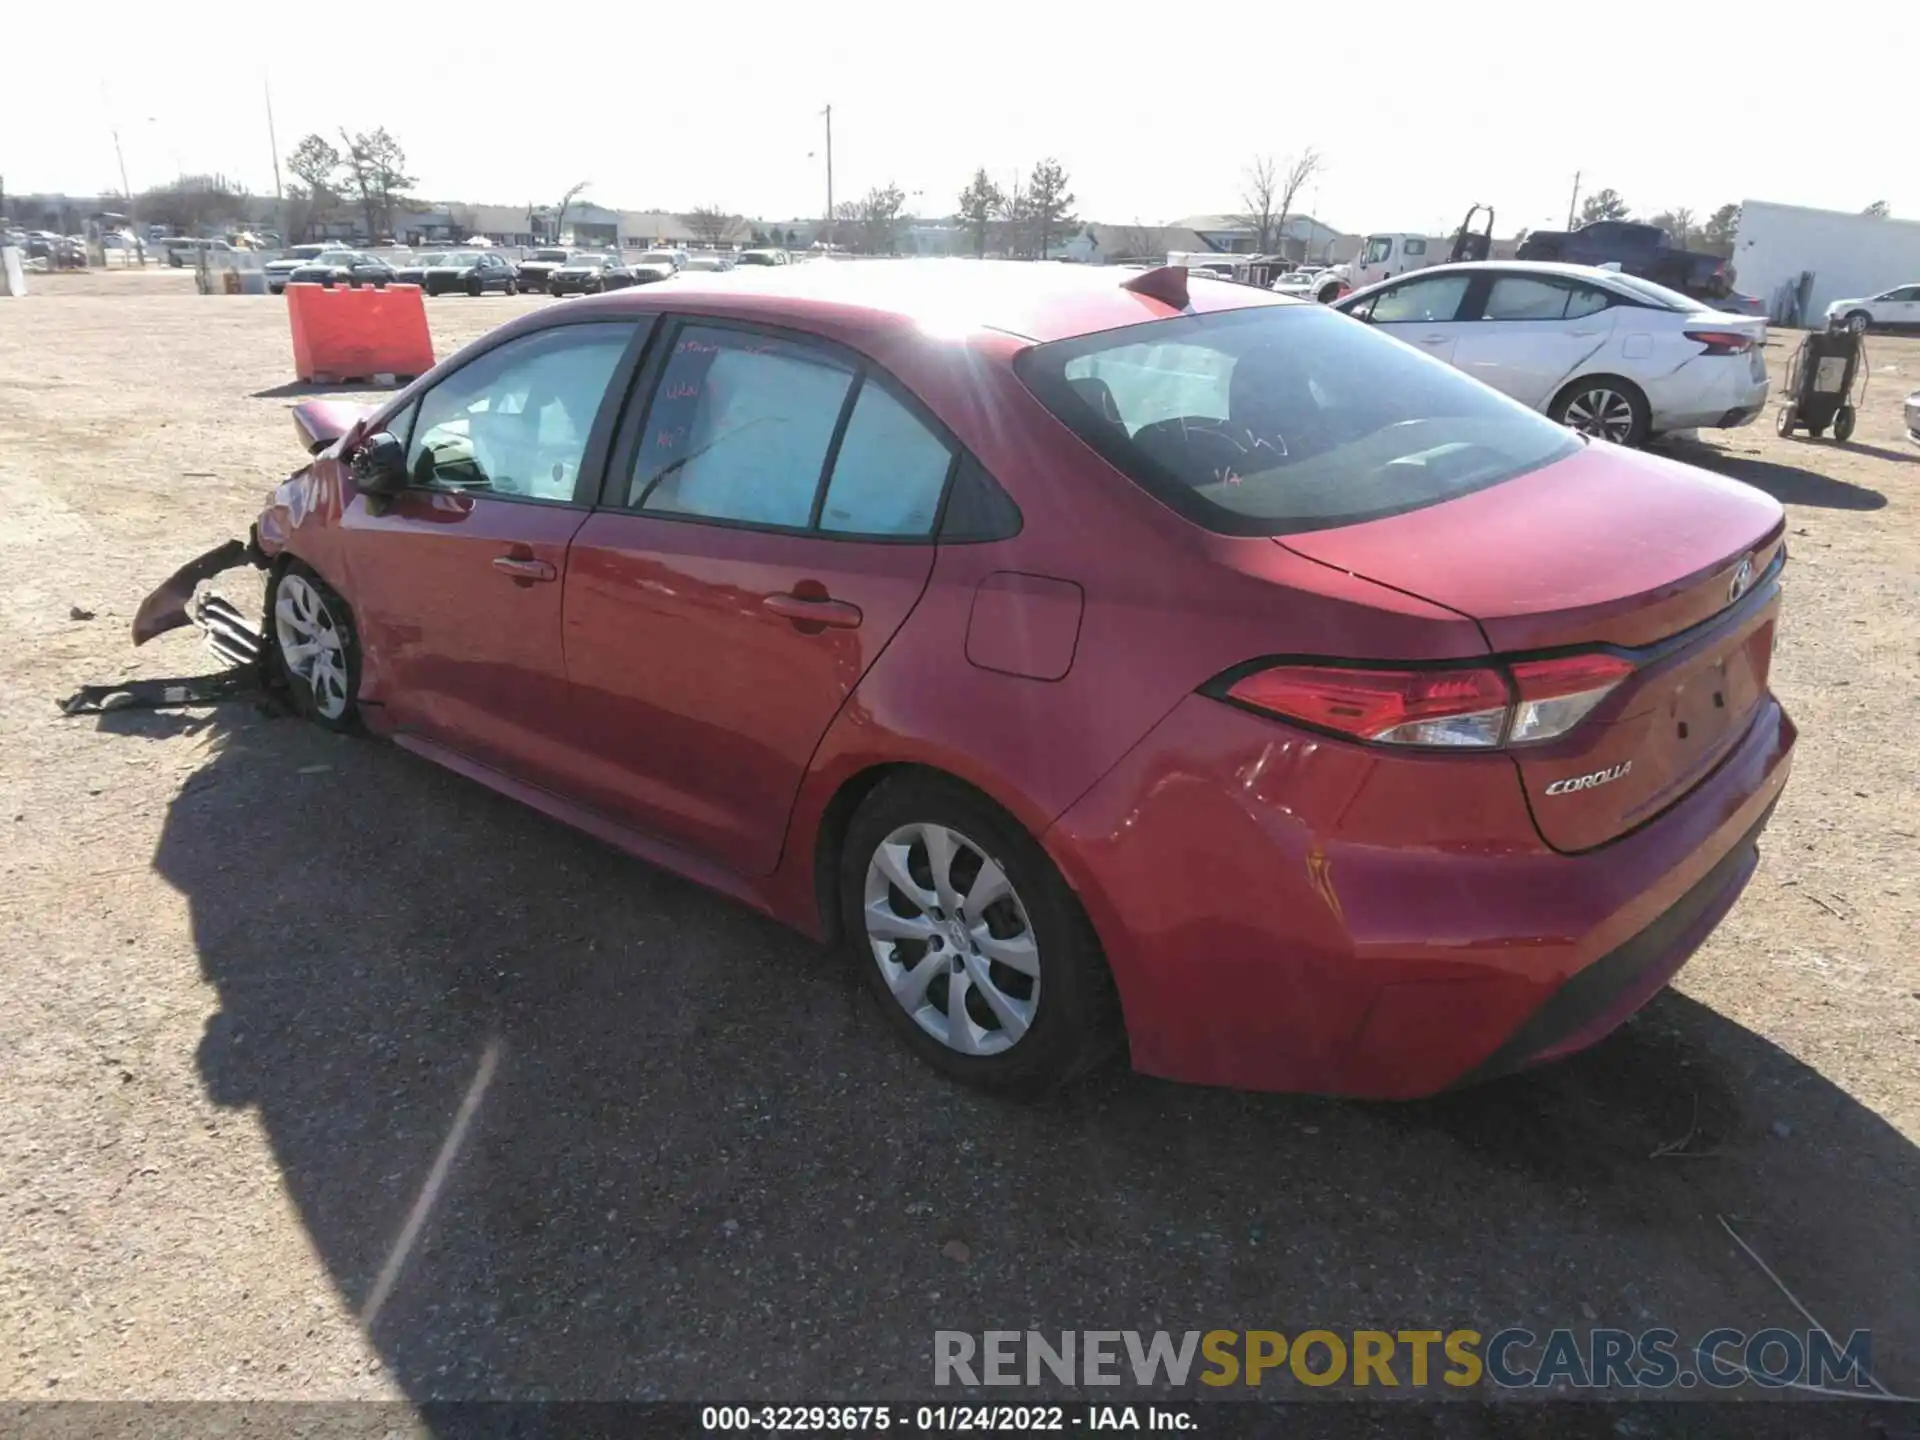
(1279, 419)
(1521, 297)
(889, 473)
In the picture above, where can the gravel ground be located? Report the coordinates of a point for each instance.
(257, 977)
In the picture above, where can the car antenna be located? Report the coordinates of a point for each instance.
(1165, 283)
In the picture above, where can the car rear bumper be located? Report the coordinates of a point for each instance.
(1698, 398)
(1286, 912)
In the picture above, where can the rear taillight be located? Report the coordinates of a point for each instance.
(1479, 708)
(1553, 696)
(1721, 342)
(1390, 707)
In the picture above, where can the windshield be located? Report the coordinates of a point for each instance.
(755, 257)
(1275, 419)
(422, 261)
(337, 257)
(657, 257)
(459, 258)
(1657, 295)
(1379, 248)
(550, 255)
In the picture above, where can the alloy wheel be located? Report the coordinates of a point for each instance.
(952, 939)
(311, 643)
(1600, 412)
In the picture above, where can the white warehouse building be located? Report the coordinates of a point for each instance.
(1845, 255)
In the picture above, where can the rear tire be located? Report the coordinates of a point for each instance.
(513, 287)
(316, 649)
(1605, 407)
(474, 288)
(1843, 424)
(989, 971)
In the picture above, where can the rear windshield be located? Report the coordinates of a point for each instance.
(1658, 296)
(1278, 419)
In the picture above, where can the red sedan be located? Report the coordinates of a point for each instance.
(1092, 659)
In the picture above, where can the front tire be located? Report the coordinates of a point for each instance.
(513, 287)
(1605, 407)
(1843, 419)
(1783, 422)
(1859, 322)
(972, 944)
(316, 650)
(474, 287)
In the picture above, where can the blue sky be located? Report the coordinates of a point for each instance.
(1418, 112)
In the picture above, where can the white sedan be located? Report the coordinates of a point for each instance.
(1887, 310)
(1607, 354)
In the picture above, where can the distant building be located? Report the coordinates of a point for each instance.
(1844, 255)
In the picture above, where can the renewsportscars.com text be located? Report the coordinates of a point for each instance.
(1512, 1358)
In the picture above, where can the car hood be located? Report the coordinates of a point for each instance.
(1608, 545)
(1838, 304)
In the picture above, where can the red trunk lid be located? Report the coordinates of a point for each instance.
(1607, 548)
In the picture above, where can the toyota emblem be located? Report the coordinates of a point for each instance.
(1742, 580)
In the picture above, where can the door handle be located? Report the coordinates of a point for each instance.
(814, 610)
(524, 569)
(1435, 339)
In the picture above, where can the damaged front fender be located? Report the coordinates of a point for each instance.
(167, 607)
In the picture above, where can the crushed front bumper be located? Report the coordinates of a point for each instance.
(171, 605)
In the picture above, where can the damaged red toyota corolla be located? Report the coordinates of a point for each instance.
(1089, 659)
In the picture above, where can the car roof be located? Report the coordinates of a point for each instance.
(1590, 274)
(1031, 300)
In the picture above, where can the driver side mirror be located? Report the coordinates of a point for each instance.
(380, 464)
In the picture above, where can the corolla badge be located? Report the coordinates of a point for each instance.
(1742, 580)
(1574, 783)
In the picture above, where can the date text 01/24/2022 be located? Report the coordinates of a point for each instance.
(995, 1419)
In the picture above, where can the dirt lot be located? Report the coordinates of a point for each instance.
(253, 971)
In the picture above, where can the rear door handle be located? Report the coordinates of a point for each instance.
(814, 610)
(524, 569)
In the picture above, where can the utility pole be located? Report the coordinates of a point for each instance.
(828, 112)
(1575, 200)
(273, 142)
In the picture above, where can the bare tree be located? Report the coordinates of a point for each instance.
(1300, 169)
(192, 203)
(879, 212)
(1604, 205)
(979, 203)
(1051, 203)
(1140, 242)
(315, 164)
(1718, 233)
(376, 168)
(560, 211)
(712, 224)
(1016, 220)
(1262, 185)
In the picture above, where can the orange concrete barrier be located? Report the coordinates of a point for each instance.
(347, 334)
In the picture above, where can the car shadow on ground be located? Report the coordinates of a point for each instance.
(561, 1125)
(1788, 484)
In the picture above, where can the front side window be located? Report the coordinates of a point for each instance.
(739, 429)
(1433, 301)
(1416, 247)
(515, 422)
(1277, 419)
(1379, 248)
